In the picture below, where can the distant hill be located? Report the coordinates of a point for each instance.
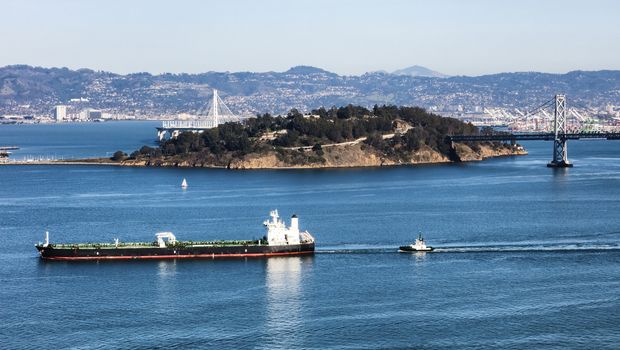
(419, 71)
(306, 70)
(27, 90)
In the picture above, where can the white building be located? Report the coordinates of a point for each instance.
(60, 113)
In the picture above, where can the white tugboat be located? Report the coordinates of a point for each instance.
(418, 246)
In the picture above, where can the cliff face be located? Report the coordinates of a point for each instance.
(355, 155)
(467, 154)
(334, 157)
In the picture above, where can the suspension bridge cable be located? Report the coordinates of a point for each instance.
(544, 105)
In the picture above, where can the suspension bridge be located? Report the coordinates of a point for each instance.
(559, 136)
(217, 113)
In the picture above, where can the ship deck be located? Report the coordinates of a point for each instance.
(178, 244)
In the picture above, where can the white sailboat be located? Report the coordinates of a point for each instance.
(184, 183)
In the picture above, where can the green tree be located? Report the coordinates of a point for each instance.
(119, 156)
(318, 149)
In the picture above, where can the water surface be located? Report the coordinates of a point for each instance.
(529, 257)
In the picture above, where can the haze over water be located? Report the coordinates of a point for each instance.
(529, 257)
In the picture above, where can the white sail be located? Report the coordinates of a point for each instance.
(184, 183)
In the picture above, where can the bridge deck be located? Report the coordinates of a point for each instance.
(160, 128)
(536, 136)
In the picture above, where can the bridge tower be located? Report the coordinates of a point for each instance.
(560, 155)
(214, 113)
(217, 114)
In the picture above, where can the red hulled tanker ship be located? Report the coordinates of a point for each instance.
(279, 240)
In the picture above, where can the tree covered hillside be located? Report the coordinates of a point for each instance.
(393, 132)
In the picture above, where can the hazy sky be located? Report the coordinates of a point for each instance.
(347, 37)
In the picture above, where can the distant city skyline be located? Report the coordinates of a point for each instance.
(346, 37)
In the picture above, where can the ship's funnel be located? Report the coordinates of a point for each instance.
(294, 223)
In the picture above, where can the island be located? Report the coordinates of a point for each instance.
(349, 136)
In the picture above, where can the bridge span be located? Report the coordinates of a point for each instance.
(559, 136)
(540, 136)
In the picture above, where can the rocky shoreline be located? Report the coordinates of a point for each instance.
(351, 156)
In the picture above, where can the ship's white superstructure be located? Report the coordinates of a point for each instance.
(279, 234)
(167, 235)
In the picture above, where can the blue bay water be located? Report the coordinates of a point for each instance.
(529, 257)
(76, 140)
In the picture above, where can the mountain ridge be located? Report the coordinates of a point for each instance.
(29, 90)
(419, 71)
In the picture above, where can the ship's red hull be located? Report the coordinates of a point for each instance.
(203, 252)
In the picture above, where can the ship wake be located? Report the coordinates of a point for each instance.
(521, 248)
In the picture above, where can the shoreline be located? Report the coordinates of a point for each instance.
(108, 162)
